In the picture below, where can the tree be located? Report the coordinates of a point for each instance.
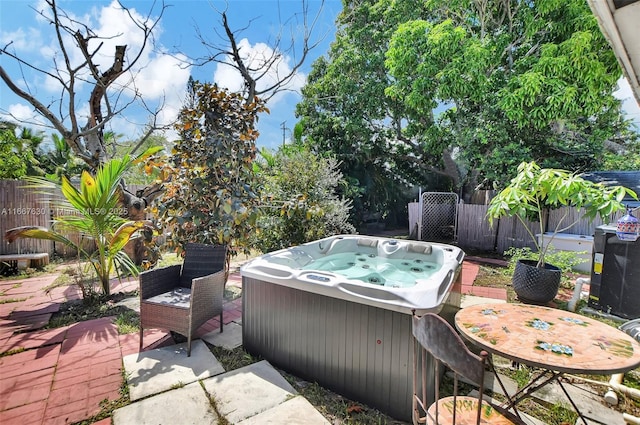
(463, 89)
(299, 199)
(16, 153)
(107, 98)
(525, 81)
(346, 112)
(210, 191)
(94, 213)
(262, 74)
(60, 161)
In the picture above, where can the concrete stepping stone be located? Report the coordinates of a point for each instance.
(154, 371)
(590, 403)
(248, 391)
(231, 337)
(297, 411)
(187, 405)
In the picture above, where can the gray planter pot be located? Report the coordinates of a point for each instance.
(535, 285)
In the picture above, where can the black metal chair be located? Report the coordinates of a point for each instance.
(181, 298)
(436, 336)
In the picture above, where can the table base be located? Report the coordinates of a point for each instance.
(545, 377)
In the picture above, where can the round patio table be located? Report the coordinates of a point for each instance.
(556, 341)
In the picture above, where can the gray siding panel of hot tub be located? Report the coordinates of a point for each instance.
(364, 353)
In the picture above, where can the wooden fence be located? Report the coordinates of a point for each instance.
(21, 206)
(474, 231)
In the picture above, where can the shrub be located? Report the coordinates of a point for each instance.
(299, 202)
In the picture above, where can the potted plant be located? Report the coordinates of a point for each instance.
(528, 196)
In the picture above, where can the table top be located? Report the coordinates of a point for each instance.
(549, 338)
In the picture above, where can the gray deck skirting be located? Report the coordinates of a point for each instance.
(362, 352)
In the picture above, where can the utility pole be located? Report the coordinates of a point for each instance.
(284, 128)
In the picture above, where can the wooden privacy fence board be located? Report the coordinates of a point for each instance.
(511, 233)
(20, 206)
(474, 228)
(474, 231)
(583, 226)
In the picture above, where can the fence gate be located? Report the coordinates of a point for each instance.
(439, 218)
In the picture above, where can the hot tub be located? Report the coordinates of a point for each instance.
(337, 311)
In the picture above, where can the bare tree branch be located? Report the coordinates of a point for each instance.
(86, 140)
(226, 51)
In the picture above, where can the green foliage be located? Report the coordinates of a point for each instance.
(136, 175)
(60, 161)
(26, 155)
(128, 322)
(300, 203)
(625, 158)
(92, 211)
(421, 84)
(564, 260)
(16, 154)
(534, 190)
(210, 190)
(535, 83)
(345, 112)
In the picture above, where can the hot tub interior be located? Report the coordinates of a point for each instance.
(400, 275)
(379, 261)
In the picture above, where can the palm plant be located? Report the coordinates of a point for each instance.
(61, 161)
(95, 214)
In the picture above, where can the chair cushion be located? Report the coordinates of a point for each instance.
(178, 297)
(467, 408)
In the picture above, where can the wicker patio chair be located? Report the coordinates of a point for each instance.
(181, 298)
(435, 336)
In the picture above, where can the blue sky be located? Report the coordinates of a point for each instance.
(161, 80)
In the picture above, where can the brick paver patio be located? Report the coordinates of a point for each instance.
(62, 375)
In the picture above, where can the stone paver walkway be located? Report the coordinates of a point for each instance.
(62, 375)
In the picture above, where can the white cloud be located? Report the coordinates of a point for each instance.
(22, 40)
(43, 7)
(24, 116)
(163, 76)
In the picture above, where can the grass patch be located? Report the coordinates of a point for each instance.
(492, 277)
(79, 311)
(554, 414)
(522, 376)
(336, 408)
(232, 293)
(233, 359)
(178, 385)
(12, 300)
(12, 352)
(214, 405)
(496, 277)
(11, 273)
(128, 322)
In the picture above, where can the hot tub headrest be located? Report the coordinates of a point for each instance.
(367, 242)
(420, 248)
